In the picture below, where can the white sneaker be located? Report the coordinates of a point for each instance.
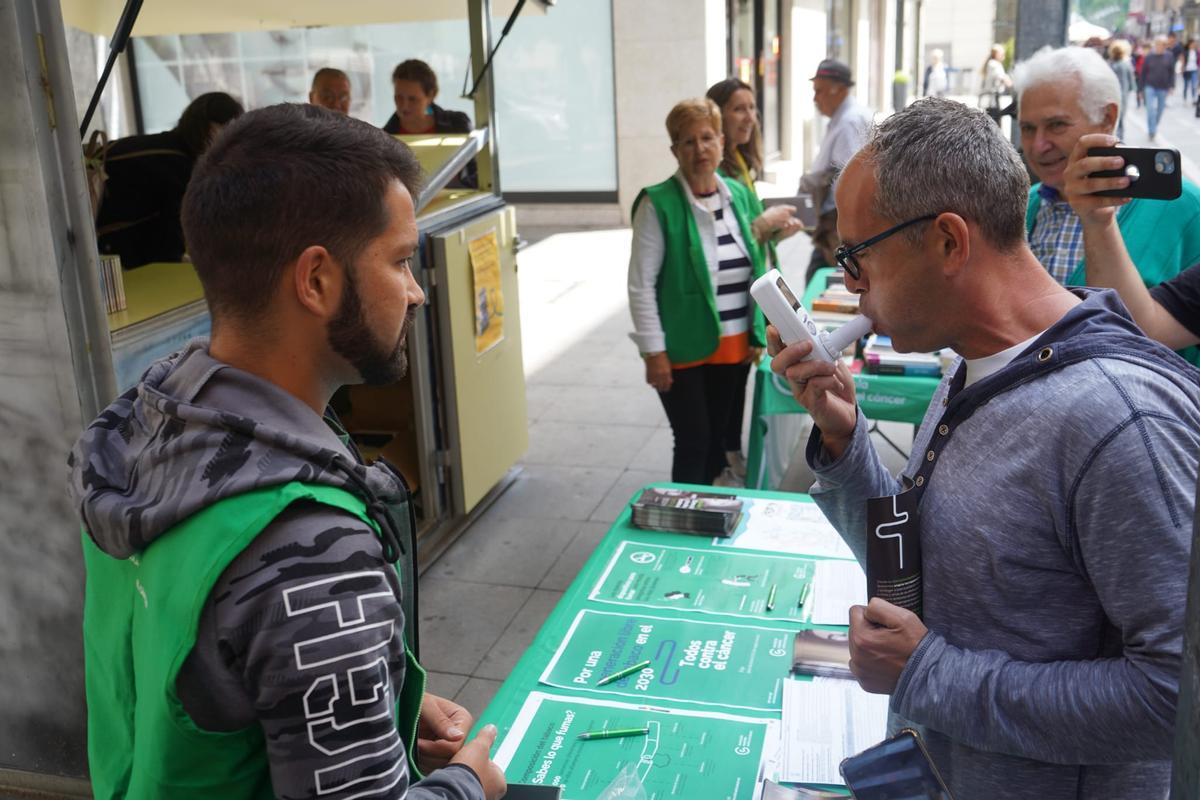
(737, 463)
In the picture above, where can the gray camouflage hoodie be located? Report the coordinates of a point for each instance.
(196, 431)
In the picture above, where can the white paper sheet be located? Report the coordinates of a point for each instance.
(826, 720)
(837, 585)
(784, 526)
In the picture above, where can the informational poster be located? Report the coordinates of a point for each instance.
(489, 295)
(681, 754)
(739, 583)
(785, 526)
(705, 663)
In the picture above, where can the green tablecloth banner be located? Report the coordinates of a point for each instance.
(684, 755)
(688, 659)
(711, 695)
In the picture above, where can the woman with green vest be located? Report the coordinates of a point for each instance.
(743, 161)
(693, 257)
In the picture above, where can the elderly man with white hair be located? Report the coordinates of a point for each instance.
(1064, 94)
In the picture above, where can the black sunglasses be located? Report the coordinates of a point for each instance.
(845, 255)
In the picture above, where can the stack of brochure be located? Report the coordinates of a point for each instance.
(112, 283)
(687, 512)
(822, 652)
(880, 359)
(836, 299)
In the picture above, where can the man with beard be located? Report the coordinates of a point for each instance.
(1063, 95)
(249, 622)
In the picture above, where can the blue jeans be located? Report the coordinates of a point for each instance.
(1156, 101)
(1190, 83)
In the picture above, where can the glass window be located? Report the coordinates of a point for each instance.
(554, 101)
(554, 95)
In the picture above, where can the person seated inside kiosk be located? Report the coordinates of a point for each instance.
(415, 86)
(147, 175)
(331, 89)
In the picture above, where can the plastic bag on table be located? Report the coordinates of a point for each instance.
(626, 786)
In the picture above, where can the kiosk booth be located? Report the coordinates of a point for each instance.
(455, 426)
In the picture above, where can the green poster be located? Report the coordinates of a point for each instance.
(708, 663)
(683, 754)
(723, 581)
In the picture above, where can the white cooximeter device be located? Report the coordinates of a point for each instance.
(785, 312)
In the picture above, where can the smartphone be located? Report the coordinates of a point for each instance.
(806, 212)
(1156, 173)
(898, 768)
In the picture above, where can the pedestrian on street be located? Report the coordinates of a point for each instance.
(1158, 76)
(1118, 53)
(1189, 70)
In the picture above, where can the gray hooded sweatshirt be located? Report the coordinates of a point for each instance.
(196, 431)
(1055, 529)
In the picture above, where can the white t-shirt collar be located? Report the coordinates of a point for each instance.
(980, 368)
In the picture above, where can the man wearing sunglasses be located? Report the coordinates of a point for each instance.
(1055, 473)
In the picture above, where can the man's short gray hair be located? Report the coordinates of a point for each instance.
(1097, 83)
(940, 156)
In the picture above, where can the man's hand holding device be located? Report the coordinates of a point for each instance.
(810, 360)
(1101, 177)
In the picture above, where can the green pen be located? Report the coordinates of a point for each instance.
(616, 676)
(615, 733)
(771, 598)
(804, 593)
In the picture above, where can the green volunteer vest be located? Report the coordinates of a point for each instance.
(687, 306)
(141, 615)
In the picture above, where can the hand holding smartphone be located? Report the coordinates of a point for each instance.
(1155, 173)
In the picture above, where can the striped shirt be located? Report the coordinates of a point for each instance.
(733, 269)
(1057, 236)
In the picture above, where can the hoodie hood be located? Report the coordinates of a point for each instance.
(196, 431)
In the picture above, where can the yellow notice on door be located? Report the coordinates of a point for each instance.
(489, 296)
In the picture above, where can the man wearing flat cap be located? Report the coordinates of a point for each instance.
(849, 124)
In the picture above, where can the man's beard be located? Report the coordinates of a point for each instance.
(350, 338)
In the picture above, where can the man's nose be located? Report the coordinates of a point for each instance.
(857, 285)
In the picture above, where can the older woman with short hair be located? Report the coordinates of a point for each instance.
(693, 258)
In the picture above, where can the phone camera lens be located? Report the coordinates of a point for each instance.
(1164, 163)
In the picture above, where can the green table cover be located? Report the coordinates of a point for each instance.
(714, 684)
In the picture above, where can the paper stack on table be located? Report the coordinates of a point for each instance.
(826, 720)
(687, 512)
(837, 585)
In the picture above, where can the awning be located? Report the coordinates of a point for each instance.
(222, 16)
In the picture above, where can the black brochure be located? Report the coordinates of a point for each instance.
(894, 550)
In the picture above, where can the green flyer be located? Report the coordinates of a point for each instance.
(706, 663)
(681, 754)
(743, 584)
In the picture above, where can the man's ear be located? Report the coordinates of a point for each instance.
(1111, 112)
(317, 281)
(952, 241)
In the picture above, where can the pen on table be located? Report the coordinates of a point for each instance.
(804, 593)
(771, 597)
(616, 676)
(615, 733)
